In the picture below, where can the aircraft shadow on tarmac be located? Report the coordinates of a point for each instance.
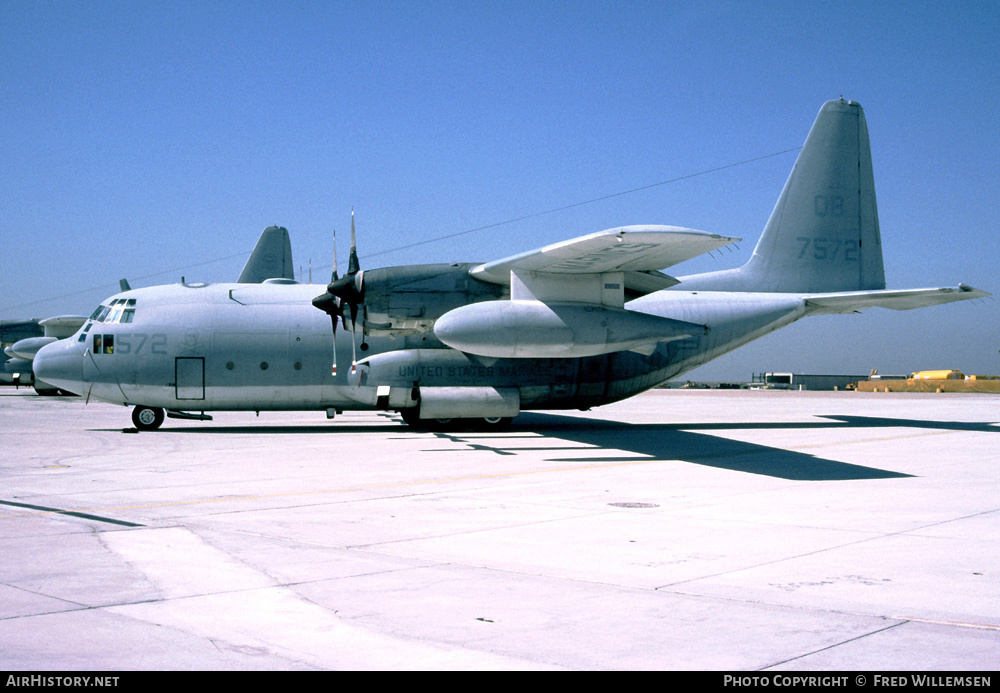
(682, 442)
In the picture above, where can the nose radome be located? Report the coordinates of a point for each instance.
(60, 364)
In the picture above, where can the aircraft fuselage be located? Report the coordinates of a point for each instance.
(208, 347)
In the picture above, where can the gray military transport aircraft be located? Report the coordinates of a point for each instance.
(572, 325)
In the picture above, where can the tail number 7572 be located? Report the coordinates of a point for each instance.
(829, 249)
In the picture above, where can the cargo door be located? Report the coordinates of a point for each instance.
(189, 378)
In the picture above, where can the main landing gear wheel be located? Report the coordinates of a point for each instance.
(493, 423)
(147, 418)
(486, 423)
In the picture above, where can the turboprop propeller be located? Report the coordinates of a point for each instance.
(330, 304)
(348, 290)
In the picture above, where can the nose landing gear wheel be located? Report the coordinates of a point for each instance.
(147, 418)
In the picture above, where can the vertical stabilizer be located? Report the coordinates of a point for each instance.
(823, 233)
(271, 257)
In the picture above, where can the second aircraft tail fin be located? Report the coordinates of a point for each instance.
(271, 257)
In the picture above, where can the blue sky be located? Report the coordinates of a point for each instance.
(153, 140)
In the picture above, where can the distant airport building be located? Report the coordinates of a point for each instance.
(804, 381)
(948, 380)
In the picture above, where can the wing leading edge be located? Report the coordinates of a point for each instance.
(636, 251)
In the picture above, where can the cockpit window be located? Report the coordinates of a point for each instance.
(119, 310)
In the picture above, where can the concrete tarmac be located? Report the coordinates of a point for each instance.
(733, 530)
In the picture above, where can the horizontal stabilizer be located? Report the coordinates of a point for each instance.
(907, 299)
(626, 249)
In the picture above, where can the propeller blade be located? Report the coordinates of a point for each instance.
(333, 317)
(350, 290)
(353, 266)
(354, 352)
(333, 368)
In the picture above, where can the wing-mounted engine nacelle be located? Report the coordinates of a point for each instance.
(408, 300)
(536, 329)
(27, 348)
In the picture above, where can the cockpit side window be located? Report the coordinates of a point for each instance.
(103, 344)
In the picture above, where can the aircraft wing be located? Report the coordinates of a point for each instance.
(638, 251)
(567, 299)
(62, 325)
(907, 299)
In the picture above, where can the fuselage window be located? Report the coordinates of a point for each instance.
(97, 344)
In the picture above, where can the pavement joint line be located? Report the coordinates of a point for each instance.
(957, 624)
(838, 644)
(73, 513)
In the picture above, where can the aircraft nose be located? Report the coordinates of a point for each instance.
(60, 364)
